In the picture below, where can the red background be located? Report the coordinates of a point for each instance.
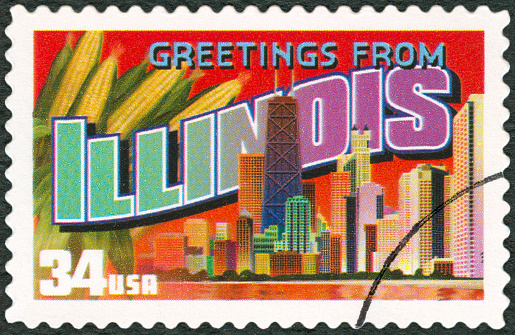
(465, 56)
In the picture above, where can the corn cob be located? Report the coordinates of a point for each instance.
(216, 98)
(127, 83)
(149, 94)
(48, 92)
(173, 103)
(85, 57)
(121, 90)
(94, 98)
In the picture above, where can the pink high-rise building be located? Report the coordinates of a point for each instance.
(467, 211)
(421, 191)
(370, 205)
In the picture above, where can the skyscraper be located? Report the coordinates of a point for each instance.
(264, 243)
(321, 224)
(357, 163)
(369, 205)
(336, 253)
(244, 242)
(340, 188)
(282, 169)
(351, 233)
(447, 230)
(353, 171)
(220, 258)
(420, 192)
(250, 181)
(298, 225)
(387, 240)
(370, 246)
(197, 231)
(467, 211)
(439, 189)
(408, 258)
(309, 192)
(325, 251)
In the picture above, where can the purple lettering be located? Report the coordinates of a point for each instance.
(426, 125)
(333, 103)
(367, 104)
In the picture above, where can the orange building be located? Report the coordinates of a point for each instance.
(245, 242)
(225, 256)
(285, 263)
(340, 188)
(250, 181)
(336, 253)
(169, 251)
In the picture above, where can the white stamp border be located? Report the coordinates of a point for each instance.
(424, 312)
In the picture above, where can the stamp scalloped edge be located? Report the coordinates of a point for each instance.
(124, 313)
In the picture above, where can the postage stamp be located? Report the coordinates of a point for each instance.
(257, 167)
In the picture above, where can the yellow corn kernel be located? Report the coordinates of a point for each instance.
(141, 102)
(97, 92)
(214, 99)
(85, 57)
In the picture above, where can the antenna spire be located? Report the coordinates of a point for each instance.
(275, 81)
(292, 81)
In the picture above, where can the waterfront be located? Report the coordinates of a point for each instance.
(316, 290)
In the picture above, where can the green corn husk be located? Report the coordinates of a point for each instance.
(49, 90)
(48, 236)
(117, 246)
(95, 240)
(129, 81)
(42, 192)
(39, 174)
(214, 98)
(121, 252)
(40, 129)
(172, 104)
(143, 101)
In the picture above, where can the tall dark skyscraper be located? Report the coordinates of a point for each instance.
(282, 172)
(438, 220)
(352, 252)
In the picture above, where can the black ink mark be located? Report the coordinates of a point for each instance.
(405, 240)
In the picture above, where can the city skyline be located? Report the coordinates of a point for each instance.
(362, 230)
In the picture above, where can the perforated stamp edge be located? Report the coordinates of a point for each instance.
(240, 313)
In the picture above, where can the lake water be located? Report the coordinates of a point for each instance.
(338, 290)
